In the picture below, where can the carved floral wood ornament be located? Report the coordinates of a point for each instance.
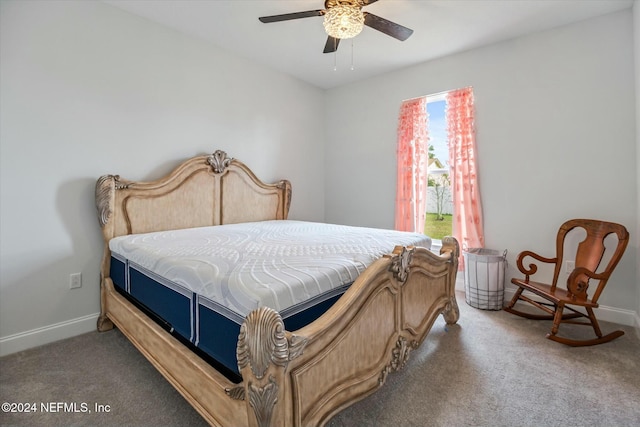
(105, 188)
(400, 261)
(400, 356)
(219, 161)
(262, 343)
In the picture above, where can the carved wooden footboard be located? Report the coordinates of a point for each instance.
(289, 378)
(305, 377)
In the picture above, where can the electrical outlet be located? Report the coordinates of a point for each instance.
(569, 266)
(75, 280)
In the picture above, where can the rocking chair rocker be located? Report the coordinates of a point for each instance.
(587, 260)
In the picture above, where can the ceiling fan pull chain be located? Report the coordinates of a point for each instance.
(351, 54)
(335, 60)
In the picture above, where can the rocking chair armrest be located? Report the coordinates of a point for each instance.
(577, 285)
(532, 267)
(581, 270)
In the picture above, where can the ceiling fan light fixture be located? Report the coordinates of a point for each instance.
(343, 21)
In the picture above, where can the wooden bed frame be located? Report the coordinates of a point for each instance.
(289, 378)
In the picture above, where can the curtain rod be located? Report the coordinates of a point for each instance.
(444, 92)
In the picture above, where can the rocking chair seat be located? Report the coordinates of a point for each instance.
(556, 295)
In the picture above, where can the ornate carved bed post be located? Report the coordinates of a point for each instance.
(264, 351)
(451, 313)
(105, 200)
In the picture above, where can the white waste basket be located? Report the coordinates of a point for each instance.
(484, 271)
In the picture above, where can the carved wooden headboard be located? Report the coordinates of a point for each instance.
(202, 191)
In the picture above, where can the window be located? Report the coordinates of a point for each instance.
(412, 166)
(439, 219)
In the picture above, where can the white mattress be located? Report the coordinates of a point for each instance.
(278, 264)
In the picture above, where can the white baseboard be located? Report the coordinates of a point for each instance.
(47, 334)
(603, 313)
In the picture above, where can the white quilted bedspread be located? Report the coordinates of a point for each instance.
(278, 264)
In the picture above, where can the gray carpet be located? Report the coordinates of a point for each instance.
(491, 369)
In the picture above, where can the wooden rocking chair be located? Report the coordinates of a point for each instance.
(587, 260)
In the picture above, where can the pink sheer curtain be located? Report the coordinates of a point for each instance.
(412, 165)
(467, 208)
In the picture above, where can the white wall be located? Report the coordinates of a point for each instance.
(551, 109)
(87, 89)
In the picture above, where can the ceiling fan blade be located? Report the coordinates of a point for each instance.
(366, 2)
(331, 45)
(289, 16)
(385, 26)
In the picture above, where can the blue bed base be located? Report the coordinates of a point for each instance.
(207, 328)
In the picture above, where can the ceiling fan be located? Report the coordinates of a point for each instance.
(344, 19)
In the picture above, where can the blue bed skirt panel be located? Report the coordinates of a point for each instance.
(303, 318)
(118, 273)
(172, 304)
(210, 329)
(218, 337)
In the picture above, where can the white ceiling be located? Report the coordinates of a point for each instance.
(441, 27)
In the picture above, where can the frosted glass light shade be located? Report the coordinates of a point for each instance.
(343, 21)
